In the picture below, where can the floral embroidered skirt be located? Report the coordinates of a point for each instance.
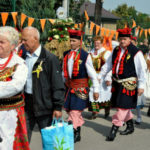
(13, 130)
(96, 106)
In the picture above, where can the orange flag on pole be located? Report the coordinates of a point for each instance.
(43, 21)
(149, 31)
(97, 29)
(112, 32)
(30, 21)
(141, 33)
(107, 32)
(23, 17)
(86, 15)
(146, 33)
(92, 26)
(4, 16)
(125, 26)
(14, 16)
(134, 24)
(102, 31)
(81, 25)
(117, 33)
(76, 26)
(51, 21)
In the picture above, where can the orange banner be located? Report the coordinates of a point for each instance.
(102, 31)
(14, 16)
(125, 26)
(149, 31)
(91, 27)
(52, 21)
(112, 32)
(43, 21)
(4, 16)
(141, 33)
(30, 21)
(86, 15)
(76, 26)
(107, 43)
(23, 17)
(117, 33)
(145, 33)
(134, 24)
(81, 25)
(107, 32)
(137, 31)
(97, 29)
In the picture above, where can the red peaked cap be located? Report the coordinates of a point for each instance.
(126, 32)
(133, 38)
(75, 34)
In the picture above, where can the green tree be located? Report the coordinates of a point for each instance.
(37, 9)
(74, 9)
(126, 14)
(7, 6)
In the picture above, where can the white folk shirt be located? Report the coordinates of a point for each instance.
(16, 85)
(30, 61)
(104, 90)
(90, 70)
(8, 118)
(140, 67)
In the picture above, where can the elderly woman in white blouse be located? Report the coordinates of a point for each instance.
(13, 74)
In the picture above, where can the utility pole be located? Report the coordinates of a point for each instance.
(66, 6)
(98, 12)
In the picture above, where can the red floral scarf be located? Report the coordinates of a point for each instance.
(121, 66)
(75, 65)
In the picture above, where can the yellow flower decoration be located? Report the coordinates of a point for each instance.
(128, 56)
(38, 69)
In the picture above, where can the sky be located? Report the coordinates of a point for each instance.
(140, 5)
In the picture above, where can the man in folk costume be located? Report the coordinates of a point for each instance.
(13, 75)
(129, 76)
(99, 56)
(77, 68)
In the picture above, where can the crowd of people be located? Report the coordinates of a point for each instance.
(35, 88)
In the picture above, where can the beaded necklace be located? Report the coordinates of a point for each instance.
(2, 66)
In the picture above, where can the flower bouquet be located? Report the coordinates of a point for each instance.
(58, 37)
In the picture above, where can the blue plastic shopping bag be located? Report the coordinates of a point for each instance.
(59, 136)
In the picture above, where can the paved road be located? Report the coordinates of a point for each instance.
(95, 131)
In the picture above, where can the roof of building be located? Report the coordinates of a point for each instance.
(90, 8)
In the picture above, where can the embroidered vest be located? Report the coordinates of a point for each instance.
(14, 101)
(98, 61)
(82, 69)
(127, 67)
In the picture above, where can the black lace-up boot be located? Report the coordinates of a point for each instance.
(77, 136)
(129, 129)
(112, 133)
